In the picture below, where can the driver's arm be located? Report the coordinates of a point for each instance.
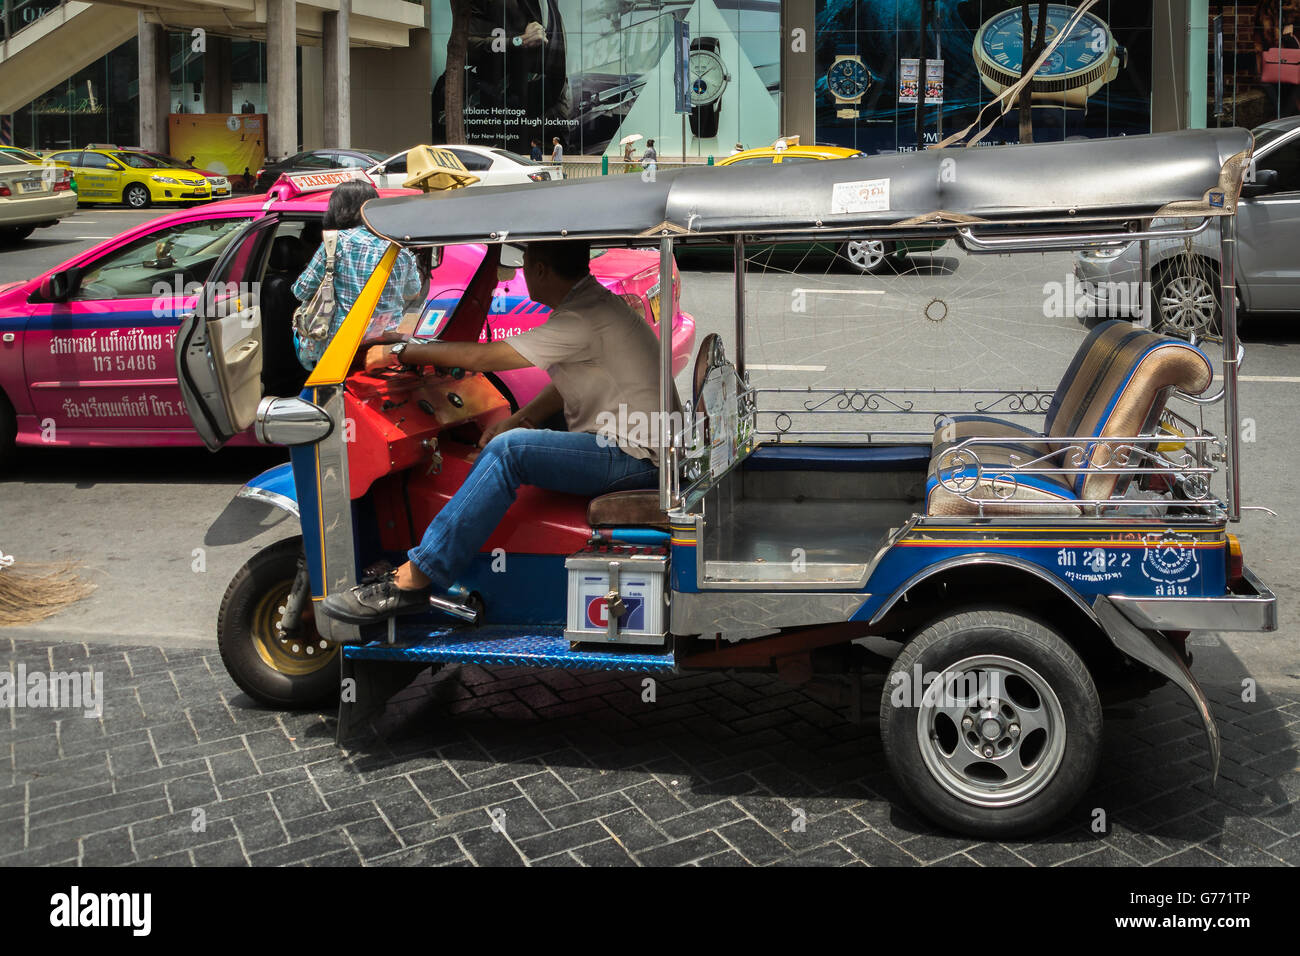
(471, 356)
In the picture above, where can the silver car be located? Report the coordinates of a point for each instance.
(1185, 272)
(32, 196)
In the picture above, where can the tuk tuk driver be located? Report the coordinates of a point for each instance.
(603, 360)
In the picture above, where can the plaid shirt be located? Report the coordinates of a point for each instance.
(356, 253)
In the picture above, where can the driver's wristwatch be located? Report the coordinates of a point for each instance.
(399, 347)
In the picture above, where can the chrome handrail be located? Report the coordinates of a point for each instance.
(977, 245)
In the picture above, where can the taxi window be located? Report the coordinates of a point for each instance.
(173, 257)
(348, 161)
(754, 161)
(785, 160)
(72, 158)
(138, 160)
(96, 161)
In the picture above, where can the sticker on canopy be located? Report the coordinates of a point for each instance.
(865, 195)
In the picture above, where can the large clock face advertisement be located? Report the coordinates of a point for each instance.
(596, 72)
(1096, 83)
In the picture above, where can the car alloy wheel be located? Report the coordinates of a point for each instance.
(867, 255)
(1187, 300)
(136, 196)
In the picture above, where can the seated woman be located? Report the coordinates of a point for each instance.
(357, 252)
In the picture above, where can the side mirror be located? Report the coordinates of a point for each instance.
(113, 164)
(58, 286)
(1265, 181)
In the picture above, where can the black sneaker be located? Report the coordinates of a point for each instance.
(374, 601)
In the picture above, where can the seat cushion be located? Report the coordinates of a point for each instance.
(953, 430)
(1116, 388)
(987, 471)
(627, 509)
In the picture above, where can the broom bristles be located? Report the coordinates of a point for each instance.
(37, 591)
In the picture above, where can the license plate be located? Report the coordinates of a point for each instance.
(30, 185)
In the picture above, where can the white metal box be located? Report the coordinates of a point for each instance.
(632, 576)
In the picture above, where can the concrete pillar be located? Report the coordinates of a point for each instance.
(336, 42)
(798, 71)
(217, 92)
(314, 114)
(281, 78)
(155, 84)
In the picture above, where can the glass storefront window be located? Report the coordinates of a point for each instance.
(592, 73)
(1260, 45)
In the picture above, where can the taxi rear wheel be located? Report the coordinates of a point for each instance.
(286, 671)
(15, 234)
(136, 196)
(991, 723)
(8, 433)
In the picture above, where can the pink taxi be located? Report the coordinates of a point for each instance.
(87, 350)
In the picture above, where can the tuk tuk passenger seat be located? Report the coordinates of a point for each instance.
(1116, 387)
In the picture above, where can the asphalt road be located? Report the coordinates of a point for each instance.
(161, 535)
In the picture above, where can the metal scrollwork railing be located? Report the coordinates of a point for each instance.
(961, 472)
(858, 401)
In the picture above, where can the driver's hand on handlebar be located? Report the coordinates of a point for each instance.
(379, 356)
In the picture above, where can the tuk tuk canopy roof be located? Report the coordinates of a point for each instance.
(1187, 173)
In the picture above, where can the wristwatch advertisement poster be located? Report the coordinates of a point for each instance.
(1097, 82)
(595, 74)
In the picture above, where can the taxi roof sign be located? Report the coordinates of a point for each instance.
(430, 168)
(298, 184)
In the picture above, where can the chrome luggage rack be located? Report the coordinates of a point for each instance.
(1188, 467)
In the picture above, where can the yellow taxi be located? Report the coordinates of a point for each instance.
(111, 175)
(871, 256)
(787, 150)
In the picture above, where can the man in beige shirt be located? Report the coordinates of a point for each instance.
(603, 360)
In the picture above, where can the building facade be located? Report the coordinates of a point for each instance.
(596, 73)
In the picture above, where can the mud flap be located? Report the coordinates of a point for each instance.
(1159, 655)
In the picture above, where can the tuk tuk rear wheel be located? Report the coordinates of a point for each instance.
(1001, 734)
(298, 670)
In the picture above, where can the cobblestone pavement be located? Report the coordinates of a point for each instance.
(508, 766)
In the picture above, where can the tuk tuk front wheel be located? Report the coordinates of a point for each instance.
(991, 723)
(286, 671)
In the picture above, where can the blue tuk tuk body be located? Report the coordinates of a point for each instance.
(1037, 542)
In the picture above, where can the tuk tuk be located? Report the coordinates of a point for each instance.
(1020, 549)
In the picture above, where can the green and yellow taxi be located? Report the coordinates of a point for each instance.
(137, 180)
(866, 255)
(26, 155)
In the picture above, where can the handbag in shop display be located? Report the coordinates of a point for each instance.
(1281, 65)
(313, 318)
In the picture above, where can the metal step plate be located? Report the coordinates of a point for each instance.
(506, 646)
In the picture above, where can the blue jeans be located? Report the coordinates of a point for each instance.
(574, 462)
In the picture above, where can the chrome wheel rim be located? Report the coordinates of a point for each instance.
(136, 198)
(1188, 304)
(866, 254)
(991, 731)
